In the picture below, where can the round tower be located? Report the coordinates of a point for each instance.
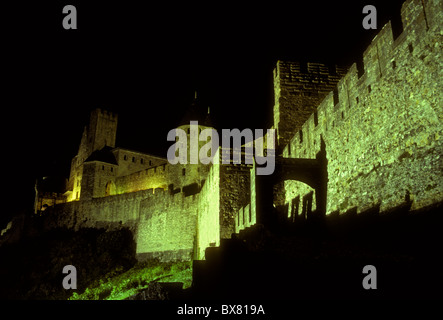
(196, 119)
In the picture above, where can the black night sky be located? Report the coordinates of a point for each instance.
(144, 61)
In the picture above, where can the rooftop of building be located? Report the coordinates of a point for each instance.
(103, 155)
(197, 112)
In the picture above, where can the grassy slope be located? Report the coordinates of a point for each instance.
(105, 263)
(116, 286)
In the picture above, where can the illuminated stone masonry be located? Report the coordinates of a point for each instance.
(113, 187)
(382, 129)
(374, 133)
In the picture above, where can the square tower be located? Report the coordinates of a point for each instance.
(298, 90)
(102, 130)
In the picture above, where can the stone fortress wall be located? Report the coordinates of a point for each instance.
(225, 191)
(298, 90)
(163, 223)
(154, 177)
(382, 129)
(208, 219)
(100, 132)
(167, 226)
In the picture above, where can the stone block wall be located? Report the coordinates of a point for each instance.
(208, 223)
(253, 202)
(130, 161)
(164, 225)
(225, 191)
(95, 178)
(106, 212)
(189, 170)
(298, 89)
(244, 218)
(383, 135)
(151, 178)
(167, 226)
(234, 194)
(102, 129)
(88, 181)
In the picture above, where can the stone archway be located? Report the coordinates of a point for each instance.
(312, 172)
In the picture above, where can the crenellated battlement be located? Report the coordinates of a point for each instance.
(159, 170)
(157, 195)
(154, 177)
(382, 57)
(106, 114)
(383, 120)
(379, 123)
(302, 78)
(163, 199)
(298, 89)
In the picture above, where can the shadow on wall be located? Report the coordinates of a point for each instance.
(322, 260)
(313, 172)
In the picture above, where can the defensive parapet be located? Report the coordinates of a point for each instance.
(382, 129)
(102, 129)
(164, 224)
(225, 191)
(154, 177)
(106, 114)
(167, 226)
(298, 89)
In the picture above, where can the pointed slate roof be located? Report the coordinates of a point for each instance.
(197, 112)
(103, 155)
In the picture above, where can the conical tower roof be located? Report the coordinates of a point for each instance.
(197, 112)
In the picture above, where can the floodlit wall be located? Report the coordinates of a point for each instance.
(167, 227)
(164, 225)
(383, 134)
(208, 224)
(225, 192)
(155, 177)
(234, 195)
(130, 161)
(298, 89)
(247, 215)
(112, 211)
(381, 129)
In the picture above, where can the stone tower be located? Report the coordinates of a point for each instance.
(99, 170)
(102, 130)
(298, 90)
(99, 133)
(192, 173)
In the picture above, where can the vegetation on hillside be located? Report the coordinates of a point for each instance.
(104, 260)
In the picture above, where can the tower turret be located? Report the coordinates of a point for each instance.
(101, 132)
(196, 119)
